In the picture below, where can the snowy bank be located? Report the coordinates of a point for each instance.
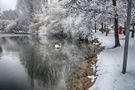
(110, 65)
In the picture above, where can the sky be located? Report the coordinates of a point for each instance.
(7, 4)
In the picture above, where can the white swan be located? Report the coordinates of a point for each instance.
(57, 46)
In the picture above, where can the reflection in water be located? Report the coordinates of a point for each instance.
(33, 63)
(0, 49)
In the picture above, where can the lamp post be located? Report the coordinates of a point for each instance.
(127, 36)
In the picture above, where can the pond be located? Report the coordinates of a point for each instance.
(38, 63)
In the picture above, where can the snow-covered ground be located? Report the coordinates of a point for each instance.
(110, 65)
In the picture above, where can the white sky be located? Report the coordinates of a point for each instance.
(7, 4)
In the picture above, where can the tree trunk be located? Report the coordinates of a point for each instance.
(124, 31)
(116, 35)
(102, 28)
(95, 27)
(105, 27)
(107, 31)
(133, 31)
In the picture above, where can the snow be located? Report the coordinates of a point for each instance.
(110, 65)
(92, 78)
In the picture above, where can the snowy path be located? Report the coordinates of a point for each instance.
(110, 65)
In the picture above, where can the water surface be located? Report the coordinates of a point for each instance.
(36, 63)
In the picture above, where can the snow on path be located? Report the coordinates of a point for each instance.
(110, 65)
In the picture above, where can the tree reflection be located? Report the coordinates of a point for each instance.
(0, 49)
(38, 65)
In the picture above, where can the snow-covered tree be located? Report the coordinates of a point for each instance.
(8, 15)
(101, 11)
(26, 10)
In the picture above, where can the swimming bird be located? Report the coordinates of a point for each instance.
(57, 46)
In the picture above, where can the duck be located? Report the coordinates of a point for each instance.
(57, 46)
